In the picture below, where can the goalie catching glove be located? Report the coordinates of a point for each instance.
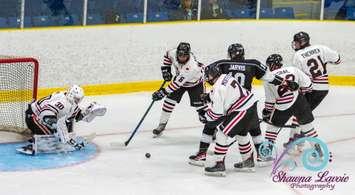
(94, 109)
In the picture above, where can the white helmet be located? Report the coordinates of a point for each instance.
(75, 94)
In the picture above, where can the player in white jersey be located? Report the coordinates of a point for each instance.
(281, 103)
(189, 73)
(233, 112)
(54, 115)
(312, 60)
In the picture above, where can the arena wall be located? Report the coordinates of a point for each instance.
(114, 54)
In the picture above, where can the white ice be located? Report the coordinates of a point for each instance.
(127, 171)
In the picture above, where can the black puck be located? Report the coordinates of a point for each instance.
(147, 155)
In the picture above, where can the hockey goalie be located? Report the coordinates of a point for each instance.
(51, 119)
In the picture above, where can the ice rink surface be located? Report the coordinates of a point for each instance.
(128, 171)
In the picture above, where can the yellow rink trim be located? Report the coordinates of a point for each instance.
(129, 87)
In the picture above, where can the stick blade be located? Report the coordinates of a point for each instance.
(117, 145)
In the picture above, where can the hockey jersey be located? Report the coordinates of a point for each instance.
(312, 60)
(279, 97)
(187, 75)
(228, 96)
(56, 105)
(244, 71)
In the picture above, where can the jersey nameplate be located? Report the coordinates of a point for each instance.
(311, 52)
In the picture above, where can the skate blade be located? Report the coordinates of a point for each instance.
(216, 174)
(197, 163)
(26, 152)
(264, 164)
(157, 135)
(246, 170)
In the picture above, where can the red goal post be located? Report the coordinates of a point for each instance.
(18, 87)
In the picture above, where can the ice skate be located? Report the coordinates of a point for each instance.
(157, 132)
(218, 170)
(245, 166)
(198, 159)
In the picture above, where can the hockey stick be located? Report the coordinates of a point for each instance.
(140, 122)
(283, 126)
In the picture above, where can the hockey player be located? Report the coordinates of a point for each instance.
(281, 103)
(50, 120)
(243, 70)
(188, 78)
(233, 112)
(312, 60)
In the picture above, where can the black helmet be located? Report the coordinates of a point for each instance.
(211, 72)
(183, 49)
(236, 51)
(302, 38)
(274, 61)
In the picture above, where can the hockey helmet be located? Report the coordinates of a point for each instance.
(75, 94)
(183, 52)
(236, 51)
(211, 72)
(274, 61)
(300, 40)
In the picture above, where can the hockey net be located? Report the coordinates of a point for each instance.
(18, 87)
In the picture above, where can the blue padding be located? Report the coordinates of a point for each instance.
(284, 12)
(11, 160)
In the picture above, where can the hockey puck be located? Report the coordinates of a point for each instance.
(147, 155)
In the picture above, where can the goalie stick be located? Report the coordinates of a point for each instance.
(115, 144)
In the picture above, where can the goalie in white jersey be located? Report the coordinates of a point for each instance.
(281, 104)
(313, 60)
(188, 78)
(51, 118)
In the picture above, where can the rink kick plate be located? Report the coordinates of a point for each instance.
(10, 160)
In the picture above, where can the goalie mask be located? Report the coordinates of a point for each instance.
(75, 94)
(274, 61)
(211, 73)
(183, 52)
(300, 41)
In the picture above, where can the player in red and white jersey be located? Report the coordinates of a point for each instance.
(189, 73)
(233, 111)
(313, 60)
(54, 115)
(281, 104)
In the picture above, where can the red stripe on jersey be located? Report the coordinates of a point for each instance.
(43, 128)
(235, 121)
(240, 102)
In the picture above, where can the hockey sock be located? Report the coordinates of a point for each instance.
(221, 147)
(308, 130)
(245, 148)
(206, 138)
(167, 109)
(257, 140)
(271, 133)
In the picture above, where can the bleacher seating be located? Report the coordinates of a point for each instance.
(134, 17)
(350, 13)
(284, 12)
(157, 16)
(266, 13)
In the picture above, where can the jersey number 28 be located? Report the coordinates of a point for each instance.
(281, 90)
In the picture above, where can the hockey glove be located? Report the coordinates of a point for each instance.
(290, 85)
(205, 97)
(266, 114)
(158, 95)
(166, 73)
